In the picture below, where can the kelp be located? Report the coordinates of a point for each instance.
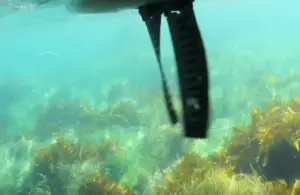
(261, 157)
(66, 114)
(101, 184)
(193, 175)
(51, 161)
(265, 152)
(268, 144)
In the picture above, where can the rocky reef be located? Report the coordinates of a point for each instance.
(62, 114)
(260, 157)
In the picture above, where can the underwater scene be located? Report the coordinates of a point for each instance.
(82, 109)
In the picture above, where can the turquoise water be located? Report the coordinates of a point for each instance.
(68, 75)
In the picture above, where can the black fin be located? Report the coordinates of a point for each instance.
(192, 70)
(153, 23)
(190, 59)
